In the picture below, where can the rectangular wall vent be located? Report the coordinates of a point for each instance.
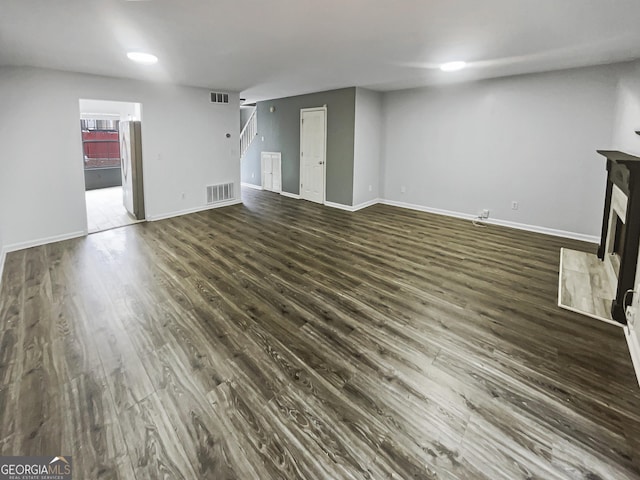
(219, 193)
(217, 97)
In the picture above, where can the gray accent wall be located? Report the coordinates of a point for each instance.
(281, 132)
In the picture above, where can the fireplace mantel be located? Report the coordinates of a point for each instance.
(622, 200)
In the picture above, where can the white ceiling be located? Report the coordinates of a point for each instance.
(275, 48)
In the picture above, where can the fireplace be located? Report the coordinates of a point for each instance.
(602, 286)
(620, 236)
(618, 242)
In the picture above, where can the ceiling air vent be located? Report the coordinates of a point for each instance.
(219, 193)
(217, 97)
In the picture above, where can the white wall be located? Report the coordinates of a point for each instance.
(529, 138)
(108, 110)
(183, 142)
(367, 146)
(2, 252)
(628, 110)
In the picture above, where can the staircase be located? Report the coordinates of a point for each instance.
(248, 133)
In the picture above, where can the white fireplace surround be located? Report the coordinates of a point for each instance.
(619, 201)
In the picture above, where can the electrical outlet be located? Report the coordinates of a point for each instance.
(630, 312)
(514, 205)
(370, 188)
(182, 195)
(253, 174)
(484, 214)
(403, 189)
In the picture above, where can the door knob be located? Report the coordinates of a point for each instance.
(320, 163)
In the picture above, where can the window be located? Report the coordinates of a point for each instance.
(100, 143)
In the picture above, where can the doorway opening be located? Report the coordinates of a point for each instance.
(112, 163)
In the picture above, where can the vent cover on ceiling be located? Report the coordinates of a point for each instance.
(219, 193)
(217, 97)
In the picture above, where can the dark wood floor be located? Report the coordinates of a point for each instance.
(283, 339)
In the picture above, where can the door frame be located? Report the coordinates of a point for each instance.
(324, 160)
(109, 116)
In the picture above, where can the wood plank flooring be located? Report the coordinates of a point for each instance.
(283, 339)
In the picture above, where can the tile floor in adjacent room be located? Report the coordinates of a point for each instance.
(105, 209)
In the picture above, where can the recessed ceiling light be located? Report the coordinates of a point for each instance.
(452, 66)
(144, 58)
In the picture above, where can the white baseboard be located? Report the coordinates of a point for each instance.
(422, 208)
(352, 208)
(339, 206)
(43, 241)
(251, 185)
(547, 231)
(633, 341)
(164, 216)
(362, 205)
(290, 195)
(503, 223)
(3, 256)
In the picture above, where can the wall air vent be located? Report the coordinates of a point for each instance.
(219, 193)
(217, 97)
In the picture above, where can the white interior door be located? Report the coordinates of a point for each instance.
(313, 134)
(267, 171)
(276, 172)
(126, 166)
(271, 171)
